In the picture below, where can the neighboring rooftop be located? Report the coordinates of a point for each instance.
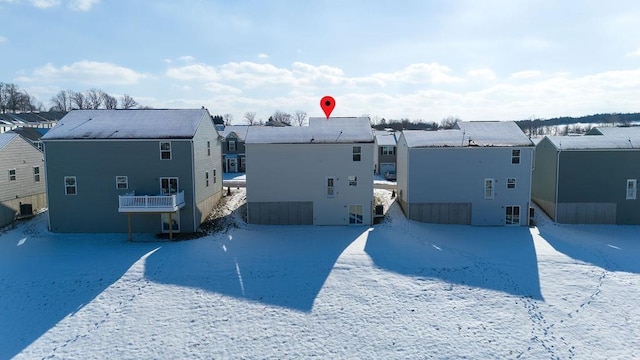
(466, 134)
(600, 138)
(6, 138)
(340, 130)
(385, 138)
(129, 124)
(29, 133)
(239, 130)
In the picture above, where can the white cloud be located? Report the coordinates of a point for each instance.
(87, 72)
(634, 53)
(82, 5)
(186, 59)
(263, 56)
(2, 39)
(526, 74)
(44, 4)
(482, 74)
(420, 73)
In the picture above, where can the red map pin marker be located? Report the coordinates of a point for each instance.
(327, 104)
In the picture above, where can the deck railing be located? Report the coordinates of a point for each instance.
(150, 203)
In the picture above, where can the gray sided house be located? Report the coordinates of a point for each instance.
(384, 158)
(233, 150)
(143, 171)
(590, 179)
(319, 174)
(22, 178)
(478, 173)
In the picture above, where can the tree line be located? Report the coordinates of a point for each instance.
(278, 118)
(13, 99)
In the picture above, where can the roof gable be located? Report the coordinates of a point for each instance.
(128, 124)
(6, 138)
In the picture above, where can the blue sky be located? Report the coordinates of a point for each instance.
(475, 60)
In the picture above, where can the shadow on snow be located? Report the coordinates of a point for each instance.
(277, 265)
(494, 258)
(45, 279)
(611, 247)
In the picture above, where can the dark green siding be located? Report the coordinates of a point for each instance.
(543, 183)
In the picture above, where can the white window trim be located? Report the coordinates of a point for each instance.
(232, 142)
(206, 178)
(208, 148)
(14, 176)
(119, 181)
(632, 191)
(357, 151)
(514, 157)
(331, 190)
(512, 223)
(514, 183)
(166, 151)
(357, 207)
(215, 176)
(36, 176)
(353, 180)
(492, 194)
(74, 186)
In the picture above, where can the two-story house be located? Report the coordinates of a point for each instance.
(478, 173)
(147, 171)
(590, 179)
(384, 158)
(319, 174)
(233, 150)
(22, 178)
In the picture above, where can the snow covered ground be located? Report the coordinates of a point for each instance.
(397, 290)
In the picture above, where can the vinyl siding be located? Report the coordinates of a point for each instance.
(96, 163)
(282, 173)
(206, 197)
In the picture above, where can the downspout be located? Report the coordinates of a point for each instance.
(555, 212)
(46, 179)
(193, 186)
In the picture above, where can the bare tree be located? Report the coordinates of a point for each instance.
(61, 101)
(228, 118)
(93, 99)
(127, 102)
(250, 116)
(108, 101)
(78, 100)
(299, 117)
(448, 122)
(282, 117)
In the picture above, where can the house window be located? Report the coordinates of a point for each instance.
(206, 178)
(12, 174)
(122, 182)
(353, 181)
(511, 183)
(208, 148)
(215, 176)
(515, 156)
(70, 185)
(357, 150)
(489, 189)
(165, 150)
(388, 150)
(36, 173)
(356, 213)
(632, 189)
(330, 187)
(232, 145)
(512, 215)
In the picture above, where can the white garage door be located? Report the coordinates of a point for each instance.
(384, 167)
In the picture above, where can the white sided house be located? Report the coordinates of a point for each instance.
(321, 174)
(478, 173)
(143, 171)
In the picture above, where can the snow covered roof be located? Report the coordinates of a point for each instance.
(584, 142)
(481, 133)
(5, 138)
(385, 138)
(620, 132)
(129, 124)
(239, 130)
(346, 130)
